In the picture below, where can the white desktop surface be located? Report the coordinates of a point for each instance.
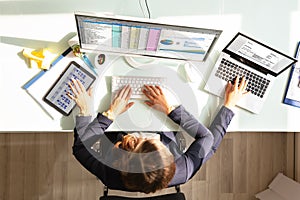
(19, 112)
(140, 116)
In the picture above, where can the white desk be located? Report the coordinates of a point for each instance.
(178, 91)
(19, 112)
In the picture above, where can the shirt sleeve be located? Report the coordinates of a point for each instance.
(199, 148)
(219, 127)
(87, 129)
(86, 132)
(189, 123)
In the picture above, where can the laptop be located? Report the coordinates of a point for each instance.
(259, 63)
(135, 36)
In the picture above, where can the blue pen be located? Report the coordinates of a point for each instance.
(76, 51)
(88, 63)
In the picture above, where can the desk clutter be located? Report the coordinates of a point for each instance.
(39, 84)
(35, 87)
(40, 58)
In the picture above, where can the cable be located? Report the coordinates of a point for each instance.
(221, 10)
(148, 10)
(142, 8)
(149, 15)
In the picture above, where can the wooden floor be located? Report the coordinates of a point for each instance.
(41, 166)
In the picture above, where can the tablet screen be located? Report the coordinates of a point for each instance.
(57, 95)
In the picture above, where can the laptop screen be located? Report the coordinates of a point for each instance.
(139, 36)
(263, 56)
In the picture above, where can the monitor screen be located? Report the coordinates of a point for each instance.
(139, 36)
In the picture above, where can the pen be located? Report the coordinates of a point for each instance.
(76, 51)
(88, 63)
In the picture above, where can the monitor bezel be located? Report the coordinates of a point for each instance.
(150, 22)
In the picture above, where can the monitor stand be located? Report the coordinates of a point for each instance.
(141, 62)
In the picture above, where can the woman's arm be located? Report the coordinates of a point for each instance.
(192, 159)
(188, 122)
(200, 147)
(83, 100)
(218, 128)
(157, 100)
(86, 129)
(86, 133)
(83, 125)
(233, 93)
(206, 140)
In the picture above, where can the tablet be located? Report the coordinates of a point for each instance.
(57, 96)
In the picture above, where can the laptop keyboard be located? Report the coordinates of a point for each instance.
(136, 83)
(228, 71)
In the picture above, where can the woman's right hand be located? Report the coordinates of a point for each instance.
(234, 92)
(82, 98)
(120, 103)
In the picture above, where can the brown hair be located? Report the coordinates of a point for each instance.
(148, 167)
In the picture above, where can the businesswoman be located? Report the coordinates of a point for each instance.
(146, 162)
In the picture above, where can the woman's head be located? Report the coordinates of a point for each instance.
(148, 166)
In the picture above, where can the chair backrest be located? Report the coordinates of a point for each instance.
(173, 196)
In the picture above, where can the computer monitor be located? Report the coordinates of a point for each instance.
(141, 36)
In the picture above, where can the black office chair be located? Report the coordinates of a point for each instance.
(178, 195)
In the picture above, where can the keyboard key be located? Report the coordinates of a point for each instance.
(228, 71)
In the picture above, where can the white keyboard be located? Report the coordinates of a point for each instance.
(136, 83)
